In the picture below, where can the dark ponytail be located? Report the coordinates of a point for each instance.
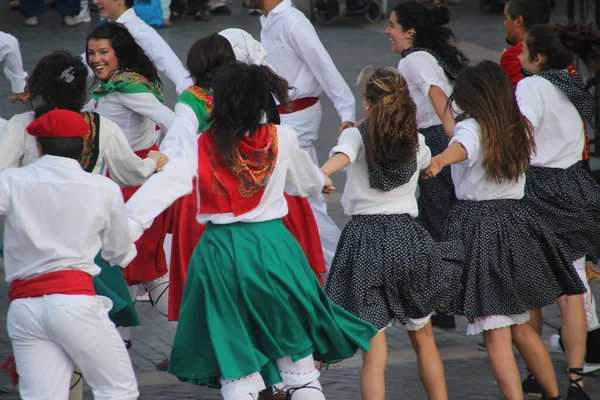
(560, 43)
(431, 31)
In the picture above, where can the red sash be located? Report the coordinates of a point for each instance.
(235, 183)
(298, 105)
(57, 282)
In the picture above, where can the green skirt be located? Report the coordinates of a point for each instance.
(250, 298)
(111, 283)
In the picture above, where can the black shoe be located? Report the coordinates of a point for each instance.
(202, 16)
(222, 10)
(531, 387)
(575, 390)
(442, 319)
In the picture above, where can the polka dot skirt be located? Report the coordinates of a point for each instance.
(512, 262)
(436, 195)
(387, 267)
(568, 203)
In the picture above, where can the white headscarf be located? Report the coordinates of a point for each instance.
(246, 48)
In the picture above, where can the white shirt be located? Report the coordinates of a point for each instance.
(471, 181)
(422, 71)
(293, 165)
(557, 125)
(13, 70)
(18, 148)
(297, 54)
(359, 197)
(137, 114)
(58, 217)
(157, 49)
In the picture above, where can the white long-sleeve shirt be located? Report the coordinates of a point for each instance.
(297, 54)
(18, 148)
(293, 165)
(13, 70)
(137, 114)
(59, 217)
(158, 50)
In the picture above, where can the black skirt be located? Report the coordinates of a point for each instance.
(387, 267)
(568, 202)
(436, 195)
(512, 263)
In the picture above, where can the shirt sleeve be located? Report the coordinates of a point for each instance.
(117, 246)
(184, 127)
(126, 168)
(4, 193)
(9, 52)
(349, 143)
(303, 174)
(12, 143)
(423, 70)
(162, 55)
(148, 105)
(424, 154)
(530, 102)
(306, 43)
(466, 133)
(163, 188)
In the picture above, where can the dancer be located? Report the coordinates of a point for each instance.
(129, 93)
(246, 238)
(558, 189)
(383, 243)
(13, 70)
(513, 263)
(52, 296)
(147, 38)
(430, 63)
(297, 54)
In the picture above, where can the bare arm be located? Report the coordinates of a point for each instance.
(336, 163)
(454, 154)
(439, 100)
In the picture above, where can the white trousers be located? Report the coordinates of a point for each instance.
(51, 334)
(306, 123)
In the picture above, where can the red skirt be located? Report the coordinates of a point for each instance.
(151, 261)
(300, 221)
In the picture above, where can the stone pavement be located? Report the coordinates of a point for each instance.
(352, 45)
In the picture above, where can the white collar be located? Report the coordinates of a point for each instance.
(128, 15)
(55, 161)
(279, 8)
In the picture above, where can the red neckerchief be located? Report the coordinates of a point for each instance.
(235, 184)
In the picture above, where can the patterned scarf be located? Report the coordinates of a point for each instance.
(201, 102)
(91, 142)
(235, 183)
(127, 82)
(450, 73)
(389, 175)
(573, 86)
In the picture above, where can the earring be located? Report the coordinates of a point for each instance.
(367, 107)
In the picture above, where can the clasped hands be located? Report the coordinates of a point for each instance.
(160, 158)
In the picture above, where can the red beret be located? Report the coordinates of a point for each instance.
(59, 124)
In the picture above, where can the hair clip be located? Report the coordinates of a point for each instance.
(67, 75)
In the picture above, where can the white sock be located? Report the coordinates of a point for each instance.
(245, 388)
(300, 378)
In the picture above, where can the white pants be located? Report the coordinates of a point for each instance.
(51, 334)
(588, 298)
(306, 123)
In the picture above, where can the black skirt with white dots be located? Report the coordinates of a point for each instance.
(436, 195)
(568, 202)
(512, 262)
(387, 267)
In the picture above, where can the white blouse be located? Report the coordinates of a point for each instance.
(18, 148)
(136, 114)
(421, 71)
(13, 70)
(557, 125)
(359, 197)
(471, 181)
(59, 217)
(293, 165)
(297, 54)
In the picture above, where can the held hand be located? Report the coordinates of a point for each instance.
(346, 124)
(433, 169)
(328, 187)
(160, 158)
(21, 97)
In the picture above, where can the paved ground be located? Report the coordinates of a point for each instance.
(352, 46)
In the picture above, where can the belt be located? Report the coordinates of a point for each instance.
(298, 105)
(71, 282)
